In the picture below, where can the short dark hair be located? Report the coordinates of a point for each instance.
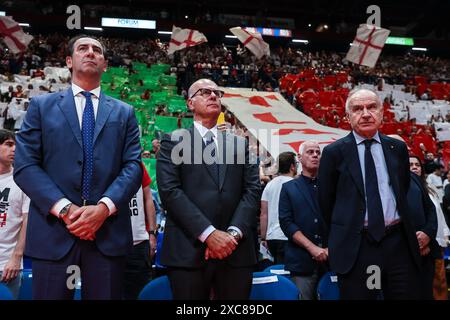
(71, 44)
(6, 135)
(285, 160)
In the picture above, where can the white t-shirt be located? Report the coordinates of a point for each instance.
(271, 194)
(138, 218)
(13, 203)
(437, 182)
(443, 231)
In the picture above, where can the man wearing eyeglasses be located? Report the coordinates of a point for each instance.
(212, 200)
(364, 178)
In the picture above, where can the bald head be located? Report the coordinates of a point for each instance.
(199, 84)
(361, 94)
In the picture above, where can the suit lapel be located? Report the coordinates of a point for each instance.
(350, 152)
(306, 194)
(68, 108)
(103, 111)
(388, 151)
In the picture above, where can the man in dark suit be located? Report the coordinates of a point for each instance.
(211, 193)
(302, 223)
(364, 178)
(78, 159)
(424, 218)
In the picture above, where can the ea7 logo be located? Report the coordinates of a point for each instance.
(374, 279)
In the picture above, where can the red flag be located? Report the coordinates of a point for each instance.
(13, 35)
(184, 38)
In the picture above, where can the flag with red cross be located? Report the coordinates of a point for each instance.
(253, 41)
(184, 38)
(13, 35)
(367, 46)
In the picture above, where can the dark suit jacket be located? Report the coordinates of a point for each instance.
(423, 213)
(194, 199)
(298, 211)
(48, 166)
(342, 197)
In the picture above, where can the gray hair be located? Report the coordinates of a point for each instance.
(302, 147)
(357, 90)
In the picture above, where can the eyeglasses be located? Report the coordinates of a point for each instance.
(373, 108)
(205, 93)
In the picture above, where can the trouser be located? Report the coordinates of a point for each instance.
(216, 280)
(102, 276)
(138, 270)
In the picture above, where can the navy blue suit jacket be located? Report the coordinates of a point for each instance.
(48, 166)
(342, 197)
(299, 212)
(423, 213)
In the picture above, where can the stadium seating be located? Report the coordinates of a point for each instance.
(269, 286)
(327, 288)
(5, 293)
(157, 289)
(277, 269)
(26, 287)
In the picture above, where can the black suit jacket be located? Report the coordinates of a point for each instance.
(342, 197)
(298, 211)
(423, 213)
(194, 199)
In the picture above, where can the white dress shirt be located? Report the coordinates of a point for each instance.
(384, 186)
(80, 102)
(203, 130)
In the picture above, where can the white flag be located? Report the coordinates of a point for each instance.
(253, 41)
(13, 35)
(184, 38)
(367, 46)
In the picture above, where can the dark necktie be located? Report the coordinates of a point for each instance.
(375, 214)
(87, 132)
(209, 136)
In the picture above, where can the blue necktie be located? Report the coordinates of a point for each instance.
(375, 214)
(87, 132)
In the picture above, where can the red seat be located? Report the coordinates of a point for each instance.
(420, 80)
(341, 77)
(326, 98)
(330, 81)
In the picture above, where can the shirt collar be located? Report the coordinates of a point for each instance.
(76, 90)
(309, 179)
(360, 139)
(203, 130)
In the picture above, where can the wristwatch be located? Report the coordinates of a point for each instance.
(235, 234)
(153, 232)
(64, 210)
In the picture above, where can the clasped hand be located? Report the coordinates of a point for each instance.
(220, 245)
(83, 222)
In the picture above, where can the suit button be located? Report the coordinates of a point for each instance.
(316, 236)
(315, 220)
(80, 162)
(77, 189)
